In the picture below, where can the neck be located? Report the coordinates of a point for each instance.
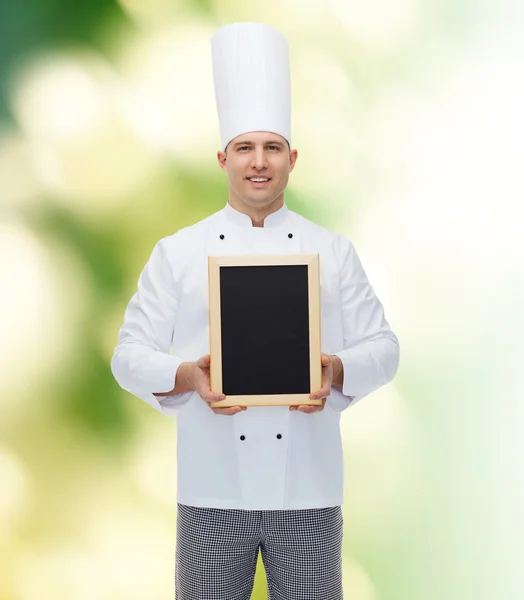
(257, 214)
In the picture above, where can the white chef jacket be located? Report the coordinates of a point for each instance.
(266, 457)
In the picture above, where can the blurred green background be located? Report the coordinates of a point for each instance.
(407, 116)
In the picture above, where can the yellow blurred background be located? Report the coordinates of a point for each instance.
(408, 119)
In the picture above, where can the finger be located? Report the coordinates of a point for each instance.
(209, 396)
(322, 393)
(325, 390)
(305, 408)
(229, 411)
(308, 407)
(324, 360)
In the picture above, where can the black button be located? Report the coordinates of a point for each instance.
(279, 435)
(289, 235)
(242, 437)
(221, 236)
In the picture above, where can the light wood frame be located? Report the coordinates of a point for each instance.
(312, 263)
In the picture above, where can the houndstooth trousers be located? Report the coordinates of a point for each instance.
(217, 551)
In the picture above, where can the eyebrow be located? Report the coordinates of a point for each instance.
(248, 143)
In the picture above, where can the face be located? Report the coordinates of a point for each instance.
(257, 154)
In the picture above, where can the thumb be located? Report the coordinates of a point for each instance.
(204, 361)
(325, 360)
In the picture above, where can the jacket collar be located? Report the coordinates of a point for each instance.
(273, 220)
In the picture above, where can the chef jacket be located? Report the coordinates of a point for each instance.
(266, 457)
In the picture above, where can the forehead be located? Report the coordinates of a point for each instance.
(255, 137)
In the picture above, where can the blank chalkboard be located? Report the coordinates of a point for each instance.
(264, 329)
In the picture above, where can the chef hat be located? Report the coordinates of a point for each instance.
(252, 81)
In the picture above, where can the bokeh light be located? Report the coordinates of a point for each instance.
(74, 110)
(38, 313)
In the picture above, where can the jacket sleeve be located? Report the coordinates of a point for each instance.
(141, 362)
(370, 356)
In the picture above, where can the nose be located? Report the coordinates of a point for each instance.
(259, 159)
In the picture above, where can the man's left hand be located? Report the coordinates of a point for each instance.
(324, 391)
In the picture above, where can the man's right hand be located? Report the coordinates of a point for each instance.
(196, 377)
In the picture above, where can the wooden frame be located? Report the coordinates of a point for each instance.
(315, 369)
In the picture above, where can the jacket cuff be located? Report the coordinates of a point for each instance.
(169, 405)
(337, 401)
(361, 375)
(157, 374)
(166, 405)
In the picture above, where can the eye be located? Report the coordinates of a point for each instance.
(242, 147)
(275, 147)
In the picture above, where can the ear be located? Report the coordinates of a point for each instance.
(222, 160)
(293, 155)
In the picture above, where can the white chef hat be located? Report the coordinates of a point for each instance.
(252, 81)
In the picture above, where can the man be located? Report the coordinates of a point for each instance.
(265, 479)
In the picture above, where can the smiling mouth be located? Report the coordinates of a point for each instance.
(258, 181)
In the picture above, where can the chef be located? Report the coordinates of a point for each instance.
(266, 479)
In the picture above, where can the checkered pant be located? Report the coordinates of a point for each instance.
(217, 551)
